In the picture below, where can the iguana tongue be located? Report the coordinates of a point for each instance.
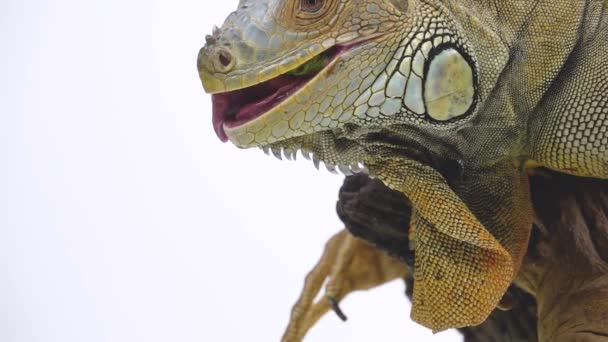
(235, 108)
(220, 105)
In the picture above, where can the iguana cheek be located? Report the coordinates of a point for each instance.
(449, 88)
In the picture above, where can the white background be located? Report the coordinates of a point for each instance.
(122, 216)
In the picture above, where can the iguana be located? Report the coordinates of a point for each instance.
(451, 102)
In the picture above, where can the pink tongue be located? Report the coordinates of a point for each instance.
(220, 107)
(238, 107)
(252, 110)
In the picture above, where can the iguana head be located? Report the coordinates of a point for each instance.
(303, 74)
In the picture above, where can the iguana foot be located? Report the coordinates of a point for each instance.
(348, 264)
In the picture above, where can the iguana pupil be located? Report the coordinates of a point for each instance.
(311, 5)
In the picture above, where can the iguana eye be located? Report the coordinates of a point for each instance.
(311, 6)
(309, 15)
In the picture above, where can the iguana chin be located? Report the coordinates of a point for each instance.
(451, 102)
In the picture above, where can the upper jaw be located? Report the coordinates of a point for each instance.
(244, 75)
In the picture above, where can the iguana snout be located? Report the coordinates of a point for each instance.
(270, 58)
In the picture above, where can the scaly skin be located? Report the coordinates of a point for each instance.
(451, 102)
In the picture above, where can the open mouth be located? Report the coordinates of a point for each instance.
(235, 108)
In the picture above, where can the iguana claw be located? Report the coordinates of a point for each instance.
(336, 307)
(348, 264)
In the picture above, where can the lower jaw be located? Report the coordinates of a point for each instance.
(250, 113)
(254, 111)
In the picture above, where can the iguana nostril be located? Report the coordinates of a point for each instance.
(226, 60)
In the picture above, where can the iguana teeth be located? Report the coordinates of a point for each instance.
(276, 151)
(316, 161)
(345, 170)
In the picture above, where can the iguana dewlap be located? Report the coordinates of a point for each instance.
(449, 101)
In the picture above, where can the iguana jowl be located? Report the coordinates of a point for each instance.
(451, 102)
